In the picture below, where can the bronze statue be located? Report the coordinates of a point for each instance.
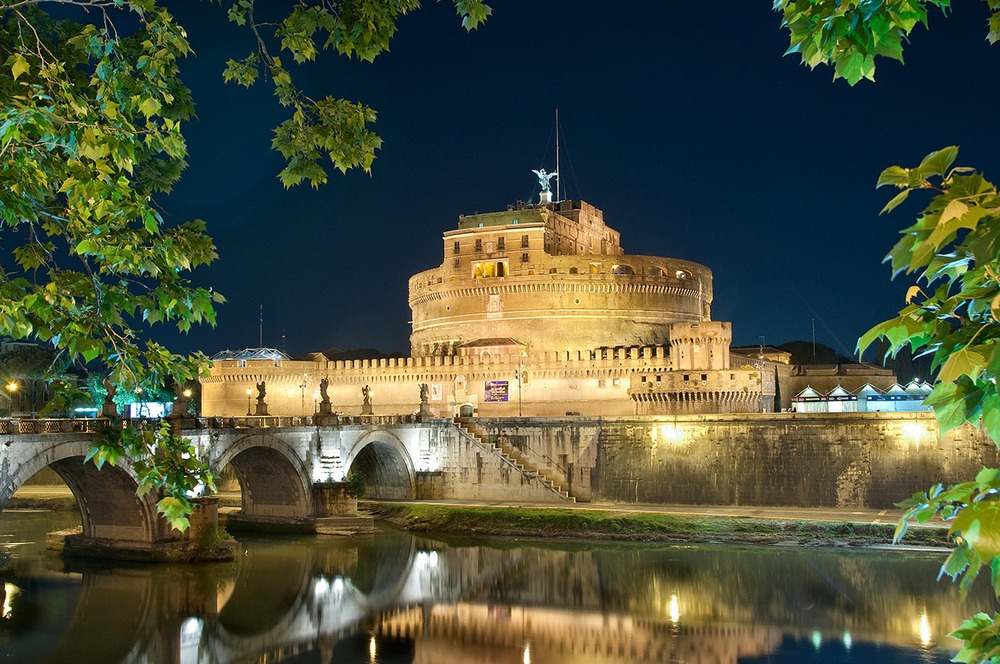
(261, 390)
(425, 391)
(323, 385)
(543, 178)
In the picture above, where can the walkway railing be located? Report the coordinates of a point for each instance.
(92, 425)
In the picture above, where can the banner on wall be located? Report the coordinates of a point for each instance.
(496, 390)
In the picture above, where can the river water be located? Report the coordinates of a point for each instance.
(392, 597)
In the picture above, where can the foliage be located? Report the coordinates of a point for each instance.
(952, 250)
(357, 484)
(850, 34)
(90, 134)
(337, 129)
(163, 462)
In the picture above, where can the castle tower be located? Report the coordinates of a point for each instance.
(550, 277)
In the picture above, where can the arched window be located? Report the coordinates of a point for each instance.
(622, 269)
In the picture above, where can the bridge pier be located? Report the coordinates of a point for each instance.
(332, 512)
(202, 541)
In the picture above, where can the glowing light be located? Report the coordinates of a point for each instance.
(817, 639)
(913, 431)
(10, 592)
(669, 433)
(924, 630)
(527, 654)
(675, 609)
(187, 393)
(321, 587)
(338, 585)
(191, 631)
(371, 648)
(848, 641)
(12, 386)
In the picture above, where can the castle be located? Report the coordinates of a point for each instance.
(534, 311)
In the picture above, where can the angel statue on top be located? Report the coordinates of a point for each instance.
(543, 179)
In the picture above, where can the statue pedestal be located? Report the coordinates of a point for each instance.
(261, 409)
(325, 408)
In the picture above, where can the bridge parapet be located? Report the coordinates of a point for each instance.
(44, 426)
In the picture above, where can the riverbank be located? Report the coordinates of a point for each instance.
(636, 523)
(642, 526)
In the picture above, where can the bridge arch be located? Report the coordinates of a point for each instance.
(385, 462)
(274, 480)
(106, 498)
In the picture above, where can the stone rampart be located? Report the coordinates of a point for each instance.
(794, 459)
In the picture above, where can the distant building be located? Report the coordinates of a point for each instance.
(535, 311)
(866, 399)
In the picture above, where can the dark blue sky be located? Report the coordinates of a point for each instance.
(682, 122)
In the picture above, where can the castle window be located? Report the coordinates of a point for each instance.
(552, 270)
(515, 221)
(644, 379)
(704, 376)
(656, 272)
(489, 269)
(732, 376)
(457, 264)
(573, 270)
(659, 378)
(601, 383)
(616, 381)
(622, 269)
(681, 274)
(687, 377)
(458, 246)
(501, 244)
(479, 244)
(524, 241)
(524, 258)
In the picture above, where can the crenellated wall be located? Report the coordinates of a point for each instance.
(602, 382)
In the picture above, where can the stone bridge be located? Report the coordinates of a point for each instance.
(291, 470)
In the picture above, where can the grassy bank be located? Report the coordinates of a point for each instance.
(639, 526)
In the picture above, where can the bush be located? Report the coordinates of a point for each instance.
(357, 484)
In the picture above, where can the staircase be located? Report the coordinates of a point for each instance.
(512, 457)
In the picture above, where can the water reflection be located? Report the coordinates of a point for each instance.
(395, 598)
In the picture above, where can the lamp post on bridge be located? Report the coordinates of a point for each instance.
(249, 392)
(519, 373)
(11, 388)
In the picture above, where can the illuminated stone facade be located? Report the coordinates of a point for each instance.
(535, 311)
(551, 277)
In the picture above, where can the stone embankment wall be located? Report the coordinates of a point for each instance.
(846, 460)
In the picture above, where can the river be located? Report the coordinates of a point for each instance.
(393, 597)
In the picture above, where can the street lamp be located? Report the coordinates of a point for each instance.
(518, 373)
(11, 390)
(315, 402)
(249, 392)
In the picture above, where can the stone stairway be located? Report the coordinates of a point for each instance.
(512, 457)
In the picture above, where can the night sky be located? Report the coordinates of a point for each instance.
(681, 121)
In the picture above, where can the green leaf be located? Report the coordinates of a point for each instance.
(896, 200)
(19, 66)
(938, 162)
(979, 525)
(964, 362)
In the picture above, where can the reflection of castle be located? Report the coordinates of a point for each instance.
(537, 311)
